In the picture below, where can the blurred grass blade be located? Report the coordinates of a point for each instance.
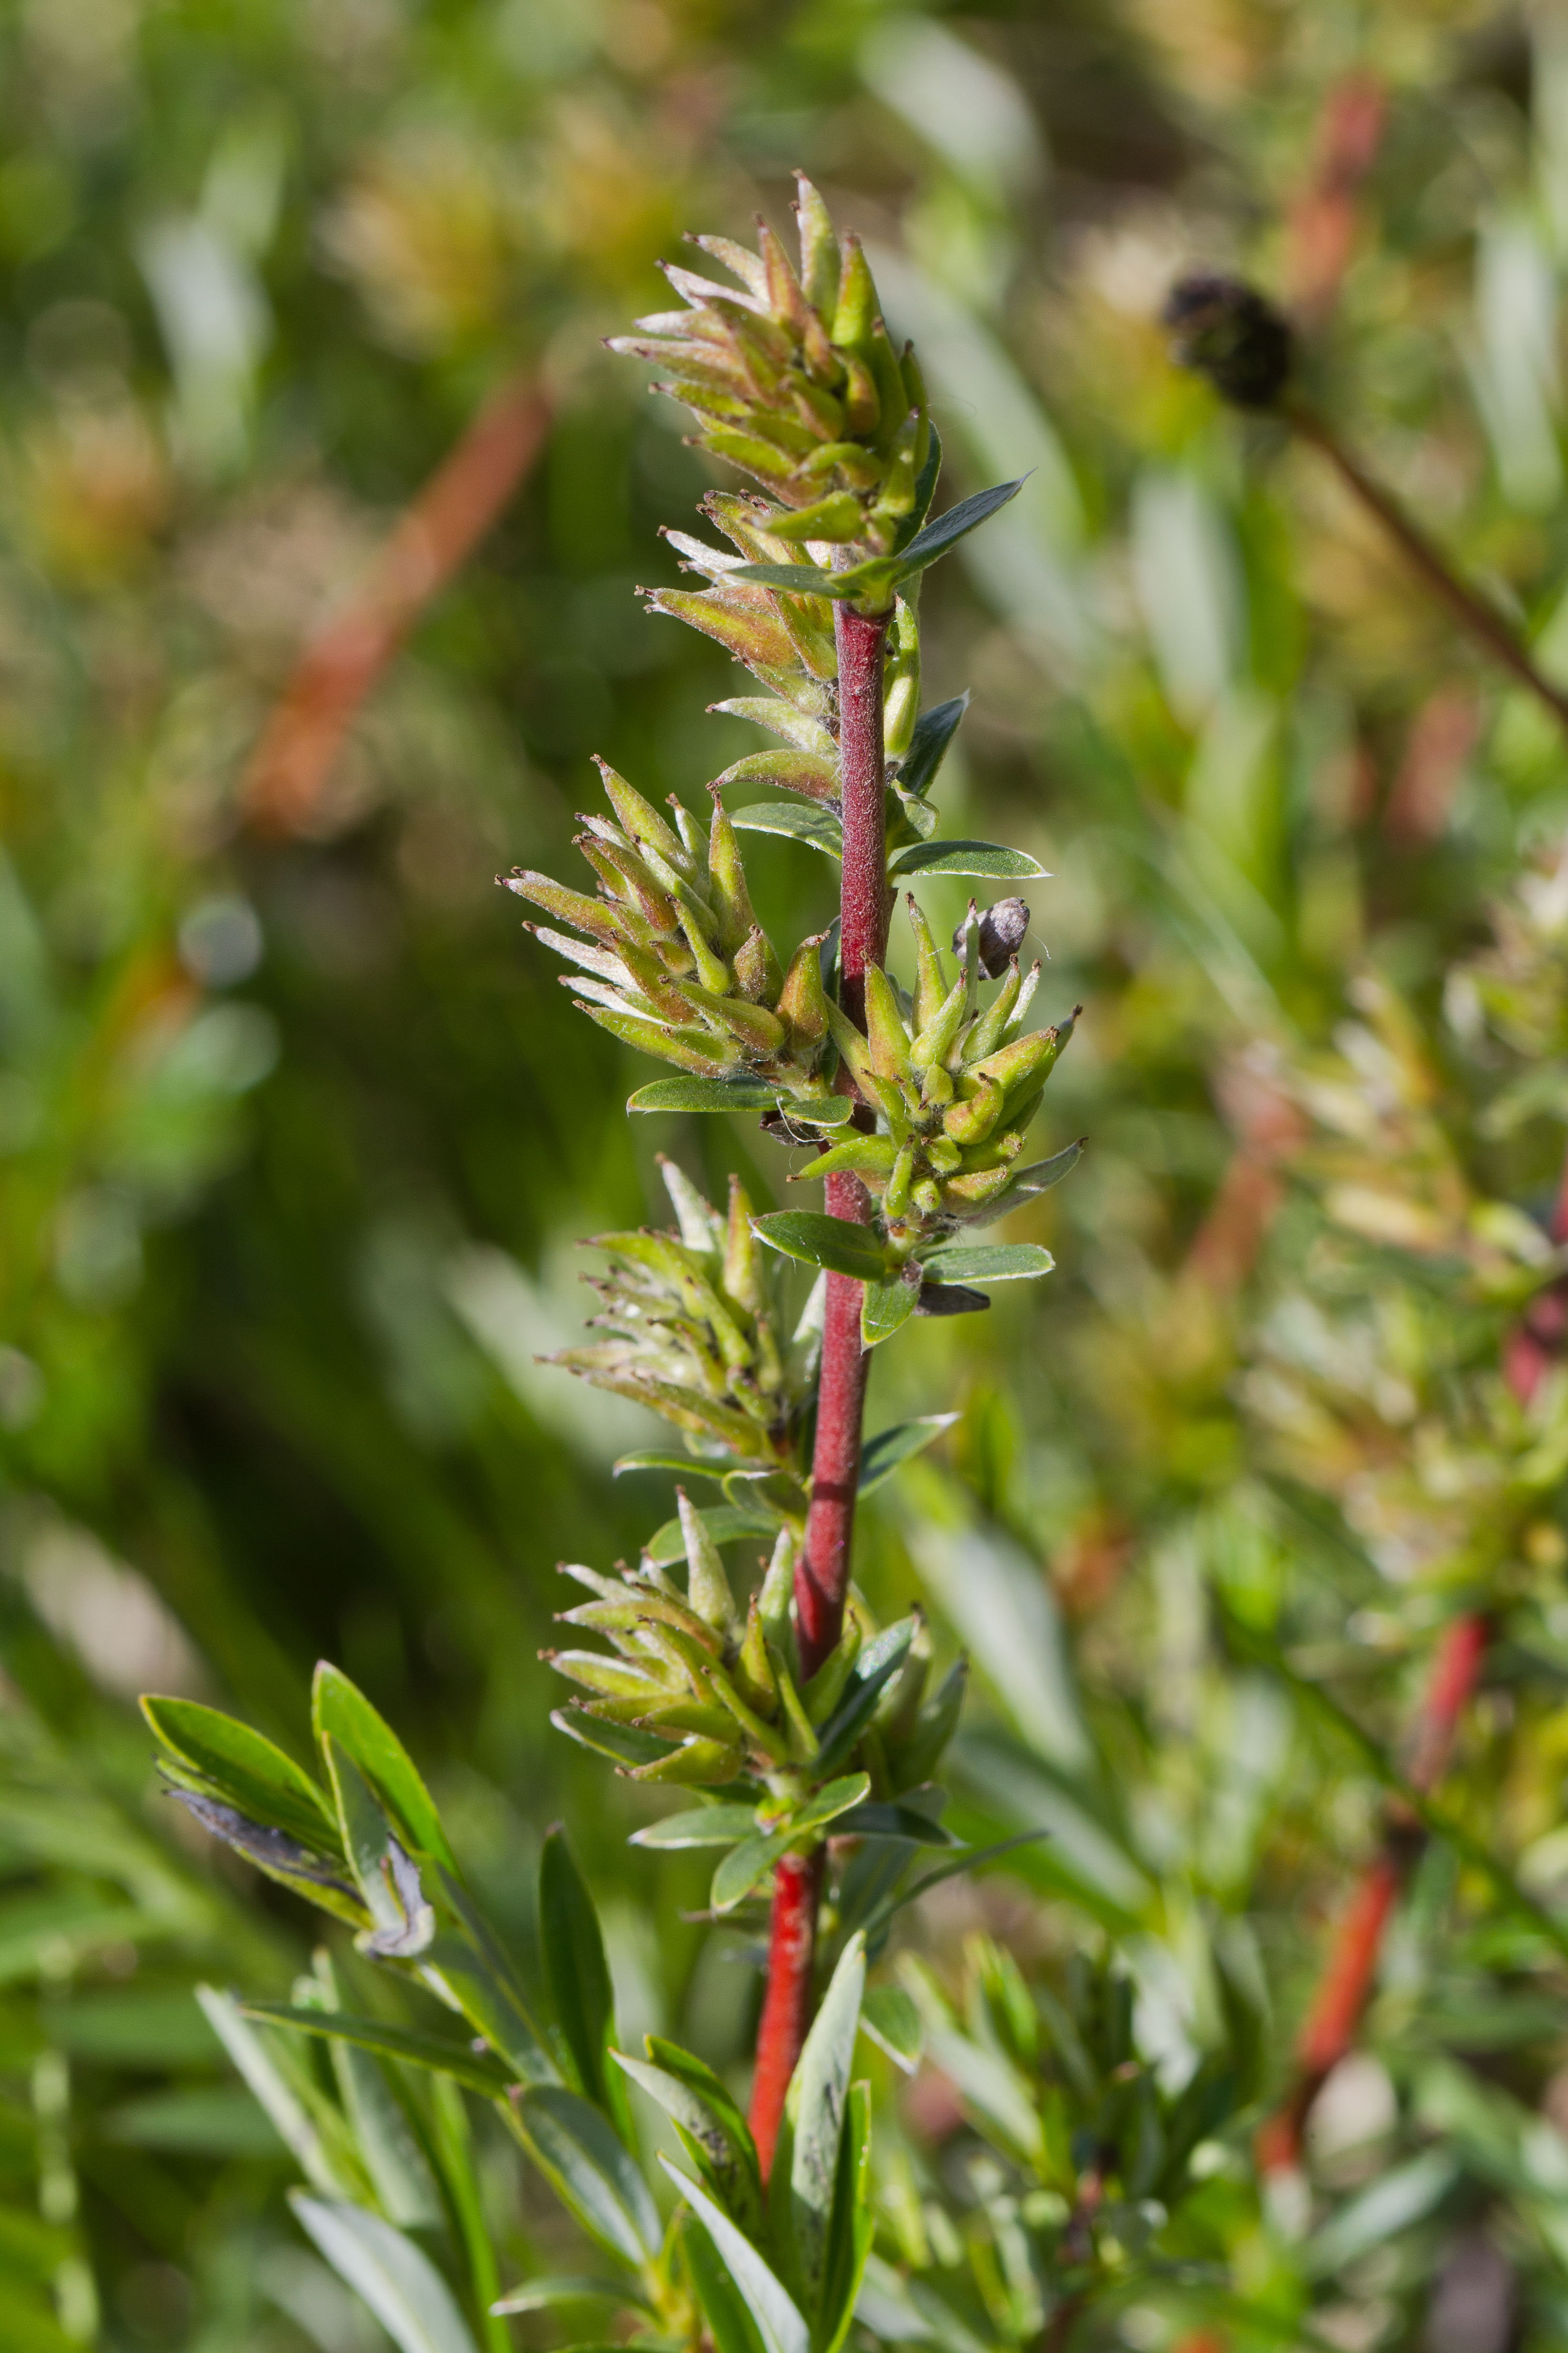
(395, 2278)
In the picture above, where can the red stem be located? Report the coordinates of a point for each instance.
(787, 2003)
(1473, 613)
(291, 769)
(1345, 1986)
(822, 1574)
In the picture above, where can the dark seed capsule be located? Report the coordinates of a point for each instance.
(1227, 331)
(1002, 930)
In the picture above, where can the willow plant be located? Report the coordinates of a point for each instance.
(807, 1738)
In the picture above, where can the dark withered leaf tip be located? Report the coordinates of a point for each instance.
(1229, 332)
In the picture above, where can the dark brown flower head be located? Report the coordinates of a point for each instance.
(1230, 333)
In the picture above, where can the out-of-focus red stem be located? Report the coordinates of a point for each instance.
(1350, 1968)
(822, 1574)
(1322, 221)
(786, 2000)
(1479, 620)
(283, 786)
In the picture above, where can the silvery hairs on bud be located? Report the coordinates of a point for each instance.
(1002, 931)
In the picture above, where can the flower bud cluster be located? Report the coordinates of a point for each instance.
(793, 379)
(690, 1328)
(717, 1694)
(954, 1087)
(676, 962)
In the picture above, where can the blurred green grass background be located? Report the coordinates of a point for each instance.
(298, 1133)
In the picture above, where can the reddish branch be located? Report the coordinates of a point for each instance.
(787, 2000)
(821, 1578)
(1479, 619)
(1323, 220)
(282, 788)
(1350, 1970)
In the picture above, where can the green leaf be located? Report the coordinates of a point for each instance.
(399, 2171)
(723, 2306)
(813, 774)
(443, 2057)
(852, 2228)
(895, 1822)
(818, 1111)
(590, 2171)
(891, 2019)
(807, 821)
(482, 1984)
(819, 1241)
(970, 1860)
(574, 1963)
(986, 858)
(979, 2073)
(386, 1877)
(947, 528)
(655, 1458)
(777, 2317)
(452, 2150)
(745, 1867)
(988, 1262)
(562, 2288)
(934, 731)
(705, 1095)
(713, 2132)
(883, 1455)
(878, 1663)
(622, 1743)
(884, 1308)
(1041, 1174)
(806, 2162)
(339, 1710)
(255, 1776)
(751, 1862)
(795, 579)
(926, 482)
(1391, 2204)
(395, 2278)
(725, 1522)
(703, 1826)
(302, 2117)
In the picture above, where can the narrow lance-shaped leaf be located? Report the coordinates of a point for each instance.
(883, 1455)
(988, 858)
(806, 2162)
(824, 1242)
(574, 1963)
(392, 2276)
(341, 1711)
(590, 2171)
(947, 528)
(396, 2163)
(934, 731)
(988, 1262)
(853, 2227)
(712, 2130)
(247, 1769)
(439, 2053)
(776, 2316)
(724, 2308)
